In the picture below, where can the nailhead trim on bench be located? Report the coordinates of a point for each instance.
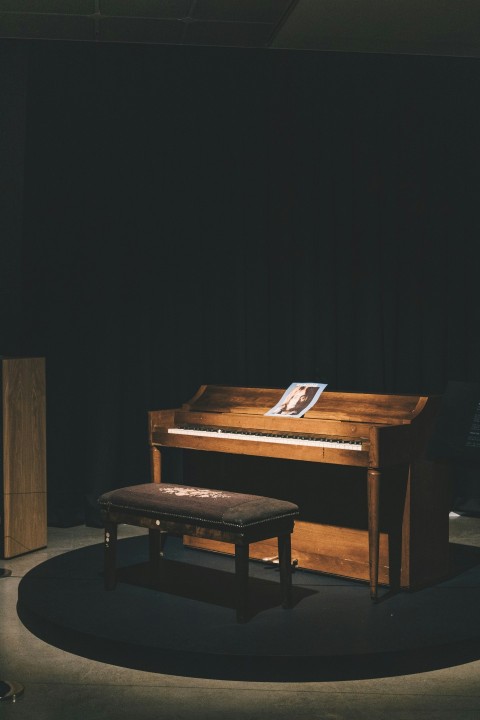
(163, 514)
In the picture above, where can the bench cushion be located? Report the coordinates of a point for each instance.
(210, 508)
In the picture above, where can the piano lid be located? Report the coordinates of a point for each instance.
(370, 408)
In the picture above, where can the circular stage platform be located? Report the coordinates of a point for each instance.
(187, 625)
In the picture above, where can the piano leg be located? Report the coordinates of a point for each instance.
(285, 562)
(156, 542)
(241, 581)
(373, 528)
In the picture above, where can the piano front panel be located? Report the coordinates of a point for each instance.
(331, 534)
(323, 548)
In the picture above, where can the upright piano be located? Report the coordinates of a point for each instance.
(372, 506)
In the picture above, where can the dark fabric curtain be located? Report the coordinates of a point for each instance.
(212, 215)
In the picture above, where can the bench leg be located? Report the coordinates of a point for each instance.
(110, 555)
(156, 542)
(241, 581)
(285, 563)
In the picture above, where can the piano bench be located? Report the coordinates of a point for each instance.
(215, 514)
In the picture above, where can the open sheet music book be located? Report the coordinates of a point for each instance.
(297, 399)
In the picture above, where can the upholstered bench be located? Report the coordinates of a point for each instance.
(222, 515)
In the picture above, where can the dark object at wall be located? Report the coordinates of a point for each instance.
(457, 431)
(456, 440)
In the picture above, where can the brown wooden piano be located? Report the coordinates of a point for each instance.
(372, 507)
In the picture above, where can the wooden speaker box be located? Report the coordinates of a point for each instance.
(23, 475)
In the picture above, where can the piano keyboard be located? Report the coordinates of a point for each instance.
(257, 436)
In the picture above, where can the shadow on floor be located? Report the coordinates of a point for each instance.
(208, 585)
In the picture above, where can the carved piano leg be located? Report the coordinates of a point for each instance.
(373, 528)
(285, 562)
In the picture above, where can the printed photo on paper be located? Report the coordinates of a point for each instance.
(297, 399)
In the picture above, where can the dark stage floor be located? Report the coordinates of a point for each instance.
(187, 625)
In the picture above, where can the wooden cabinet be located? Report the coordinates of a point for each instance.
(23, 498)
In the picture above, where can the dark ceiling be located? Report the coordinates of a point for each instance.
(416, 27)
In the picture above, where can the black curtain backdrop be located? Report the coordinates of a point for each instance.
(213, 215)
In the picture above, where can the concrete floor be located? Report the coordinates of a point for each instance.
(60, 686)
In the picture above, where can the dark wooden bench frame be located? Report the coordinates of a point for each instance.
(159, 528)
